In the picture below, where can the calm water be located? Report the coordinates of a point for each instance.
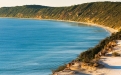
(35, 47)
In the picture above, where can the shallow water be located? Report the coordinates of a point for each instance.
(35, 47)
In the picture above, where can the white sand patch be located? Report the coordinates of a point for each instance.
(112, 64)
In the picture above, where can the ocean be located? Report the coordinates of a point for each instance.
(36, 47)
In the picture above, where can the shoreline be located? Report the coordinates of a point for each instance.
(110, 30)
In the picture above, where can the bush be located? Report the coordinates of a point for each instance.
(60, 68)
(115, 54)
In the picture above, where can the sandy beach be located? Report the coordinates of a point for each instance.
(110, 30)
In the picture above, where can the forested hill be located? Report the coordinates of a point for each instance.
(103, 13)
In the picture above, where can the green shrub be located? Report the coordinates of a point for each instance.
(60, 68)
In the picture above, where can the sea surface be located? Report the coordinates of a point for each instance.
(35, 47)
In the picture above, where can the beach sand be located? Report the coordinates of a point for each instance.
(110, 30)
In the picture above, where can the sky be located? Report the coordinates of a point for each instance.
(55, 3)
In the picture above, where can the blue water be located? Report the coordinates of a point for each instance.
(35, 47)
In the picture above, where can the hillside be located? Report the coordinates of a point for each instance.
(103, 13)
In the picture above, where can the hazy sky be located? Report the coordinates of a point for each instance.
(4, 3)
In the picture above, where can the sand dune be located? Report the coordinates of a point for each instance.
(112, 65)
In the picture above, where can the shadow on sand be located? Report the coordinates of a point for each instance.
(111, 67)
(79, 73)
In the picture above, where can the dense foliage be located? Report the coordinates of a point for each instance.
(103, 13)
